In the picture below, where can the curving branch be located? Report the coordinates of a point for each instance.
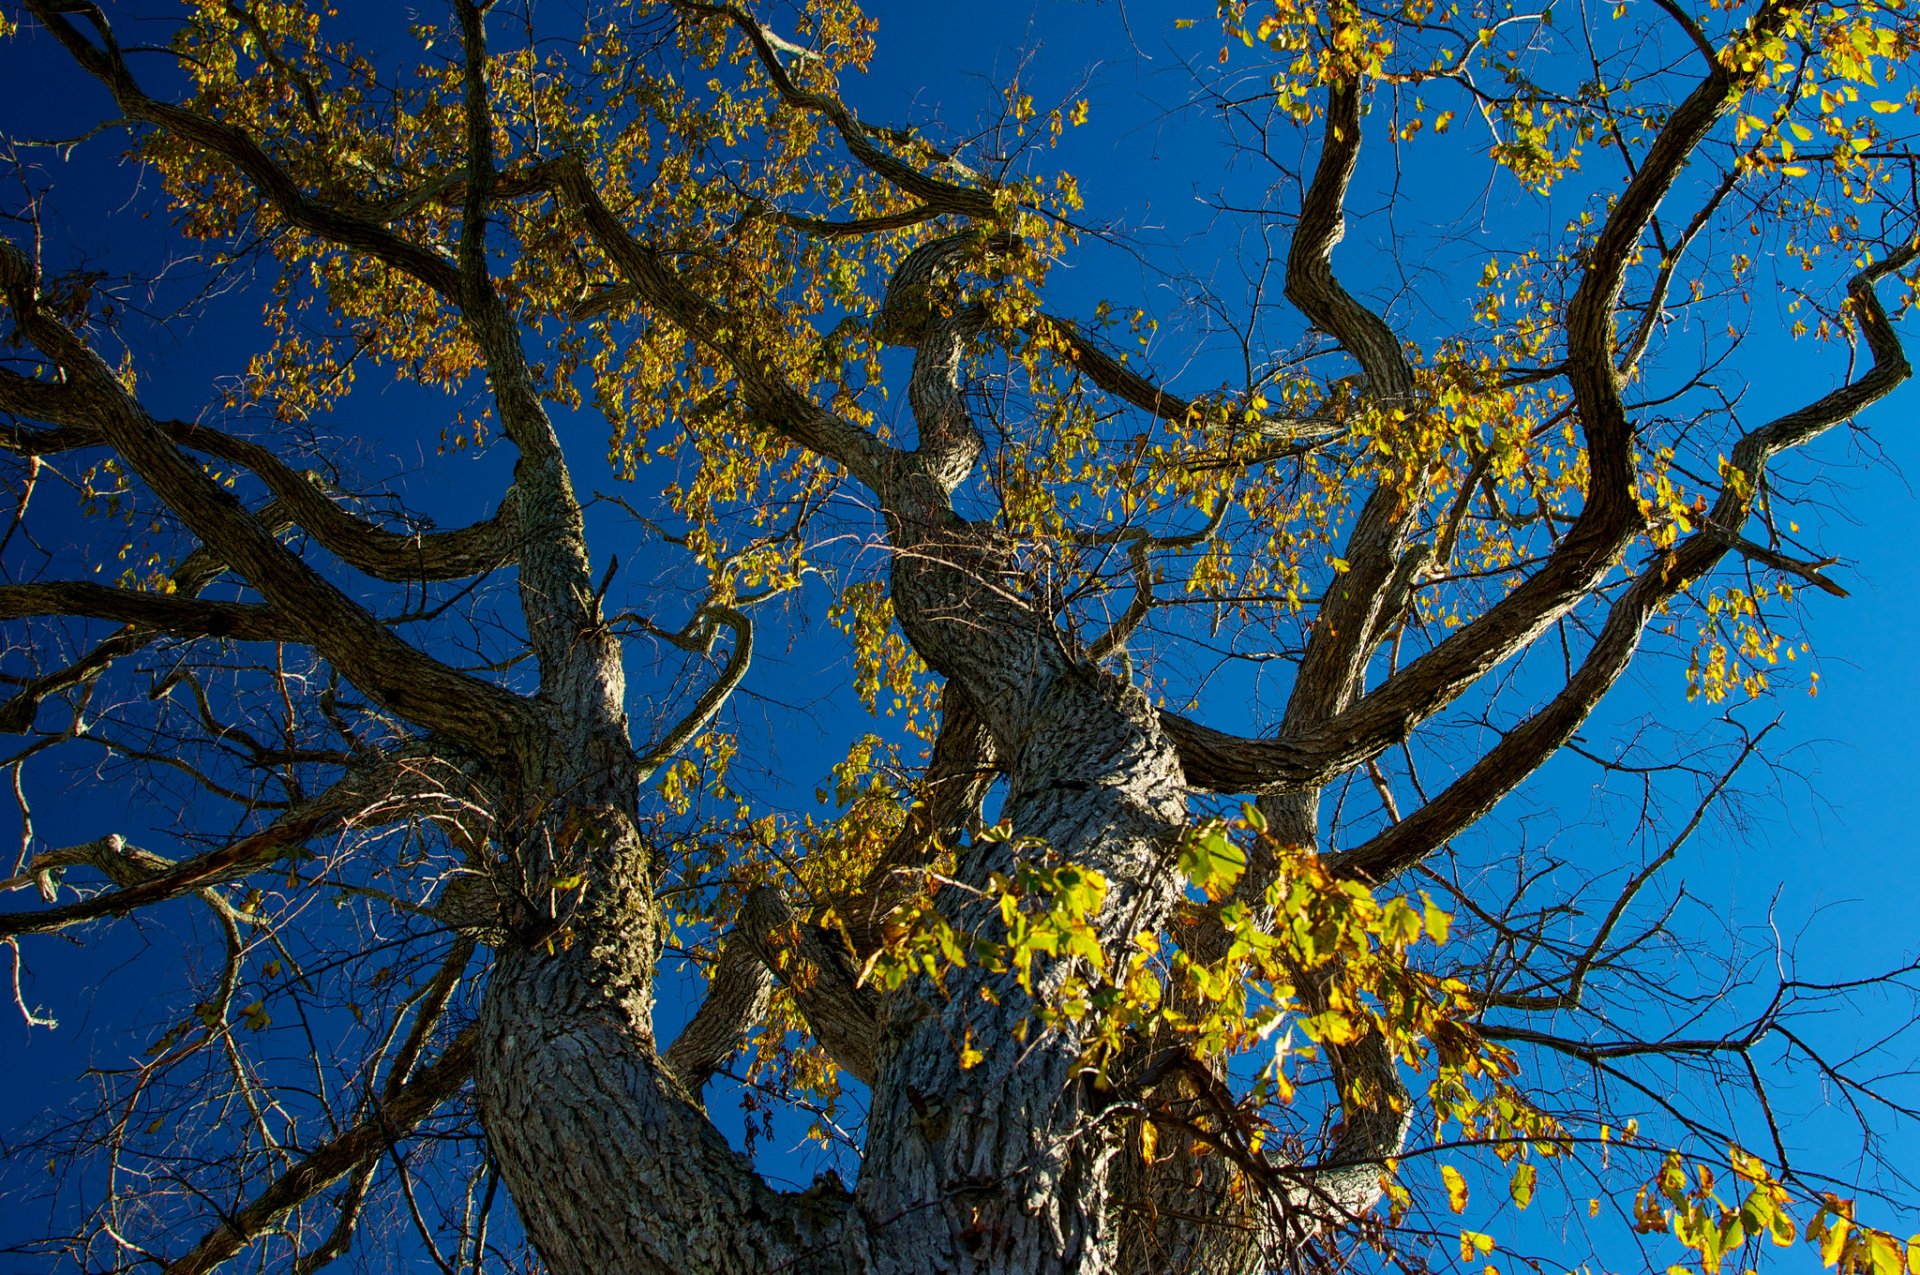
(1311, 284)
(935, 193)
(1526, 747)
(913, 313)
(1365, 601)
(377, 788)
(376, 551)
(400, 677)
(1345, 734)
(698, 636)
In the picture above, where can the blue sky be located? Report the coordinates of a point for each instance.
(1824, 854)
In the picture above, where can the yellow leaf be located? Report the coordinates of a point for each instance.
(1456, 1190)
(1474, 1242)
(1887, 1257)
(1521, 1187)
(1833, 1241)
(1885, 108)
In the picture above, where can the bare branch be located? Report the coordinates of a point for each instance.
(393, 1117)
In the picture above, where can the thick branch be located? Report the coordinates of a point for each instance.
(400, 677)
(382, 554)
(163, 613)
(814, 966)
(736, 1001)
(779, 404)
(1609, 517)
(1362, 603)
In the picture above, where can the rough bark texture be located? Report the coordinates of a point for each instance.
(1011, 1163)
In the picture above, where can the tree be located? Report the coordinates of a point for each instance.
(1056, 907)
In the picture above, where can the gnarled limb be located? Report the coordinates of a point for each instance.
(1526, 747)
(380, 553)
(386, 669)
(1609, 517)
(698, 635)
(575, 1101)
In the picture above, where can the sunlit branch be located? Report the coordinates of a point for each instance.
(947, 809)
(814, 966)
(1311, 283)
(376, 789)
(388, 670)
(1808, 571)
(1609, 517)
(780, 405)
(911, 314)
(1372, 592)
(945, 196)
(557, 600)
(715, 697)
(335, 221)
(1526, 747)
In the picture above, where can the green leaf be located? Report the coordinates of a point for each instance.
(1521, 1187)
(1210, 860)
